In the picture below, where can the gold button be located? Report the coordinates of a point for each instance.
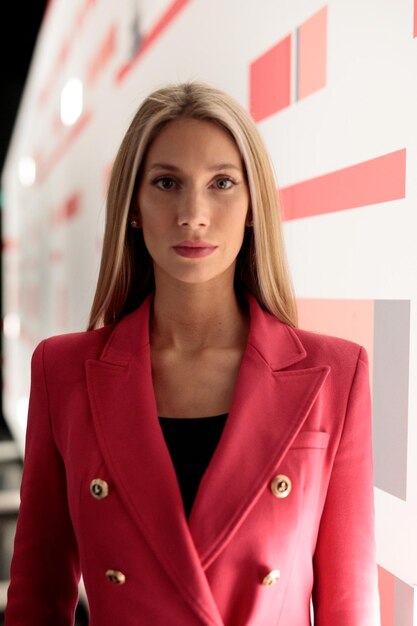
(116, 577)
(271, 578)
(281, 486)
(99, 488)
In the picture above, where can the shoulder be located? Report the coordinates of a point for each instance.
(70, 347)
(334, 350)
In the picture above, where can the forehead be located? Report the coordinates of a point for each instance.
(190, 139)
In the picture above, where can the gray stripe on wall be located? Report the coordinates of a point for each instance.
(404, 600)
(390, 394)
(294, 70)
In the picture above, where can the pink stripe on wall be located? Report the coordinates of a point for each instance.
(415, 19)
(270, 73)
(386, 583)
(312, 54)
(351, 319)
(377, 180)
(9, 244)
(270, 81)
(61, 56)
(102, 55)
(67, 210)
(47, 164)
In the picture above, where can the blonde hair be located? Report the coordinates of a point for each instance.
(126, 270)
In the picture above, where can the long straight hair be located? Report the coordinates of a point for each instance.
(126, 274)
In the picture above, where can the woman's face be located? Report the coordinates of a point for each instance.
(193, 188)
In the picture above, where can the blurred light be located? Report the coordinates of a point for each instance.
(22, 413)
(71, 101)
(27, 171)
(11, 325)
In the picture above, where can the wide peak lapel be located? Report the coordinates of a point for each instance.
(125, 419)
(268, 409)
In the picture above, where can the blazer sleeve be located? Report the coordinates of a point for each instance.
(345, 588)
(45, 570)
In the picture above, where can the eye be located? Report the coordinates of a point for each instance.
(165, 182)
(224, 183)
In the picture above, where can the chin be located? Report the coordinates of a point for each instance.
(191, 275)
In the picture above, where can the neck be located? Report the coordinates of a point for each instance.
(191, 318)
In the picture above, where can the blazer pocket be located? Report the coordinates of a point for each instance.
(311, 439)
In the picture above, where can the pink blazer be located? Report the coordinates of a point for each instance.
(284, 511)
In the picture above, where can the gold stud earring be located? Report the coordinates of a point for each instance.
(134, 223)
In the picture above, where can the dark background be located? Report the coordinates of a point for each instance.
(21, 23)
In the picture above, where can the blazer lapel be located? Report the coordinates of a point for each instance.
(131, 441)
(269, 407)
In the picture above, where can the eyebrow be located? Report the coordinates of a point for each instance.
(213, 168)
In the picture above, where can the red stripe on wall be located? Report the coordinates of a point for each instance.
(270, 81)
(67, 210)
(378, 180)
(56, 256)
(9, 244)
(102, 55)
(61, 56)
(45, 166)
(164, 21)
(415, 19)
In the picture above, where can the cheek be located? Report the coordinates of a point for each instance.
(150, 210)
(145, 199)
(232, 217)
(239, 206)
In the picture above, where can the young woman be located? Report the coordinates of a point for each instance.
(195, 455)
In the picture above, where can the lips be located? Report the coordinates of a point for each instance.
(195, 244)
(194, 249)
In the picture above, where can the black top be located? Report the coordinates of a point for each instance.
(191, 442)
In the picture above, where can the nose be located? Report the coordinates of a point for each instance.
(193, 210)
